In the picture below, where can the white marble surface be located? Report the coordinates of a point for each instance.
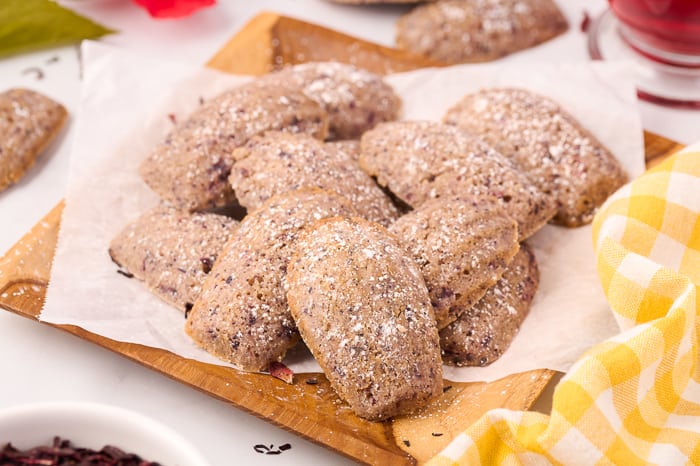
(39, 363)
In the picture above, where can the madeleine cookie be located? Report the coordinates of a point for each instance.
(464, 31)
(172, 251)
(355, 99)
(483, 332)
(560, 156)
(462, 246)
(278, 162)
(241, 315)
(421, 160)
(363, 310)
(29, 121)
(190, 168)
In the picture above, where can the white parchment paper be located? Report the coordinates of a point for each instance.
(126, 108)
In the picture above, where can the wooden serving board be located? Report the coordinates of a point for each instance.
(308, 407)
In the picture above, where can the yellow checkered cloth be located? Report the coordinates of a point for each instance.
(635, 398)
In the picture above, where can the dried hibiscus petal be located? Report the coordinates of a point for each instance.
(585, 21)
(282, 372)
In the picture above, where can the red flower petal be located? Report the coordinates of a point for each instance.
(173, 8)
(282, 372)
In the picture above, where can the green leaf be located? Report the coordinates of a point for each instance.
(33, 24)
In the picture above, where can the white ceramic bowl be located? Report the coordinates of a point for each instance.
(93, 425)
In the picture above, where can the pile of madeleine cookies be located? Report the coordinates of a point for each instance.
(389, 247)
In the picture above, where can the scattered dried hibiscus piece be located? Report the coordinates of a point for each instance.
(282, 372)
(585, 21)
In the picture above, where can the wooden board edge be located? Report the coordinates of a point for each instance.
(25, 267)
(270, 41)
(296, 41)
(428, 431)
(269, 409)
(250, 51)
(657, 148)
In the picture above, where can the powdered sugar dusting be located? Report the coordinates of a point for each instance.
(190, 168)
(363, 309)
(355, 99)
(420, 160)
(172, 251)
(28, 121)
(279, 162)
(559, 156)
(242, 315)
(483, 332)
(457, 31)
(462, 245)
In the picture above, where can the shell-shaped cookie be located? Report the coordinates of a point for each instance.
(482, 333)
(363, 310)
(550, 145)
(241, 315)
(355, 99)
(422, 160)
(29, 121)
(462, 246)
(190, 168)
(172, 251)
(278, 162)
(463, 31)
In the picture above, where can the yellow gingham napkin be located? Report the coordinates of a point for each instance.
(635, 398)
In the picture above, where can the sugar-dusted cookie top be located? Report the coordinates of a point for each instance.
(355, 99)
(29, 121)
(351, 147)
(550, 145)
(190, 167)
(172, 251)
(462, 245)
(278, 162)
(241, 315)
(463, 31)
(483, 332)
(363, 310)
(422, 160)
